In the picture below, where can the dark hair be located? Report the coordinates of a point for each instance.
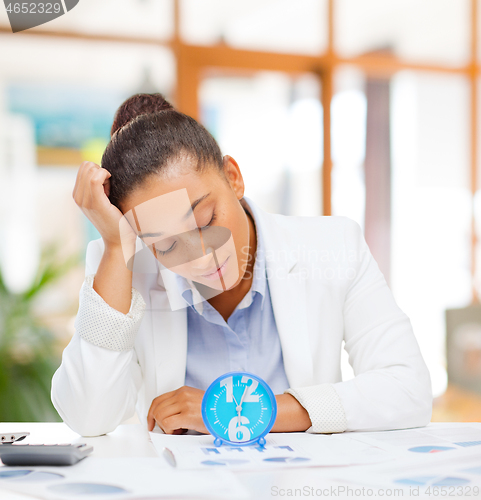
(136, 105)
(148, 134)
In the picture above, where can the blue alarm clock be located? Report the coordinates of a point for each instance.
(239, 408)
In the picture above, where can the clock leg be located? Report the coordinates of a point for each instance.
(261, 441)
(217, 442)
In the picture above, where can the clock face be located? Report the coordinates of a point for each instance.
(239, 408)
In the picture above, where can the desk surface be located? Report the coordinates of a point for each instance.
(131, 441)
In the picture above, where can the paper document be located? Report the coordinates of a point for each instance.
(434, 438)
(441, 474)
(126, 478)
(293, 449)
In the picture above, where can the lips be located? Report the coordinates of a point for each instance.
(217, 272)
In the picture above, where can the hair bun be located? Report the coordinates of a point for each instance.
(138, 104)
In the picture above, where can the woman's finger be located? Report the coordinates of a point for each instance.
(155, 407)
(79, 182)
(97, 193)
(162, 397)
(173, 423)
(160, 414)
(79, 176)
(85, 173)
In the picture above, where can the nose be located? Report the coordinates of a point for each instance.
(205, 263)
(192, 245)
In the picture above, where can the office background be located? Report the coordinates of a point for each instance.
(363, 108)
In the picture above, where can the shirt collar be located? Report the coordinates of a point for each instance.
(191, 295)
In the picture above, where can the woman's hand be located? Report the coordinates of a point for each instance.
(90, 193)
(291, 415)
(177, 411)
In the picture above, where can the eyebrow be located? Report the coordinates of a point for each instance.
(186, 216)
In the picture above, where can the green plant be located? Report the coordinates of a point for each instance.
(28, 355)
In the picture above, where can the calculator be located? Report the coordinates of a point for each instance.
(43, 454)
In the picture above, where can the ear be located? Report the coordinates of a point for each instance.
(233, 175)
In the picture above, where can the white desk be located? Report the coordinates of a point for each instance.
(315, 482)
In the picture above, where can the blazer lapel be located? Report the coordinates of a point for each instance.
(290, 310)
(288, 295)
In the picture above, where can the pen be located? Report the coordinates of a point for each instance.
(169, 456)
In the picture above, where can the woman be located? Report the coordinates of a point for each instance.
(273, 295)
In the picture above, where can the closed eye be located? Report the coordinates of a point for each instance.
(163, 252)
(210, 222)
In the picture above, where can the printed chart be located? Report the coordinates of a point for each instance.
(284, 450)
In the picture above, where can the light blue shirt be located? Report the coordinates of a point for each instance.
(248, 341)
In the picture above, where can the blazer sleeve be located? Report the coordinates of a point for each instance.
(392, 386)
(95, 388)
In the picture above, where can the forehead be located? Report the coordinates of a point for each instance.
(173, 180)
(169, 213)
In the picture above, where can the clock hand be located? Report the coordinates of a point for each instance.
(243, 395)
(238, 409)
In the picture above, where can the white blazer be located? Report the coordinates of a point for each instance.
(325, 288)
